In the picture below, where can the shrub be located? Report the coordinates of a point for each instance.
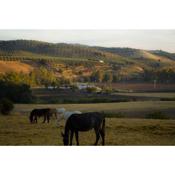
(107, 90)
(74, 87)
(19, 93)
(91, 89)
(6, 106)
(167, 99)
(156, 115)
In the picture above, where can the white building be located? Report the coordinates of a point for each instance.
(101, 61)
(83, 86)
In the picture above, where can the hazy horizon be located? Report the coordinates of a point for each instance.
(139, 39)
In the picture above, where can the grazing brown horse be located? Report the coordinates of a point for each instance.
(84, 122)
(45, 112)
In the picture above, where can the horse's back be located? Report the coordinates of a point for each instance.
(40, 112)
(85, 121)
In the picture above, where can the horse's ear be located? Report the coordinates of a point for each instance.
(62, 134)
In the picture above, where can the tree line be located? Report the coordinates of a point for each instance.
(38, 77)
(8, 48)
(164, 75)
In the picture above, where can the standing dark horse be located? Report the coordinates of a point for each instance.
(46, 113)
(84, 122)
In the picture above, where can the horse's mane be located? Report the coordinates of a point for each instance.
(66, 114)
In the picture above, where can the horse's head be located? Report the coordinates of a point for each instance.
(65, 139)
(60, 113)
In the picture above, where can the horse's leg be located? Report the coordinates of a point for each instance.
(44, 119)
(102, 136)
(76, 136)
(97, 133)
(102, 132)
(71, 136)
(35, 119)
(48, 118)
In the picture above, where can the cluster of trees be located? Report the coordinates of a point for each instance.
(101, 76)
(16, 87)
(106, 77)
(165, 75)
(38, 77)
(19, 93)
(45, 77)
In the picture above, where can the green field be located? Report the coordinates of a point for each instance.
(15, 129)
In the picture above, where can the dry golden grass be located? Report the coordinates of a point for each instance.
(16, 130)
(14, 66)
(131, 69)
(156, 58)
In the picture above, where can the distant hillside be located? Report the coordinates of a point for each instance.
(38, 49)
(125, 52)
(165, 54)
(75, 61)
(26, 47)
(139, 55)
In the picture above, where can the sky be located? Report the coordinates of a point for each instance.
(140, 39)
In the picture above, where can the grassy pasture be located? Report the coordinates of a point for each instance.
(129, 109)
(46, 96)
(142, 87)
(16, 130)
(150, 94)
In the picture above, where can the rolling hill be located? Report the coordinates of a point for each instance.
(141, 55)
(51, 50)
(73, 60)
